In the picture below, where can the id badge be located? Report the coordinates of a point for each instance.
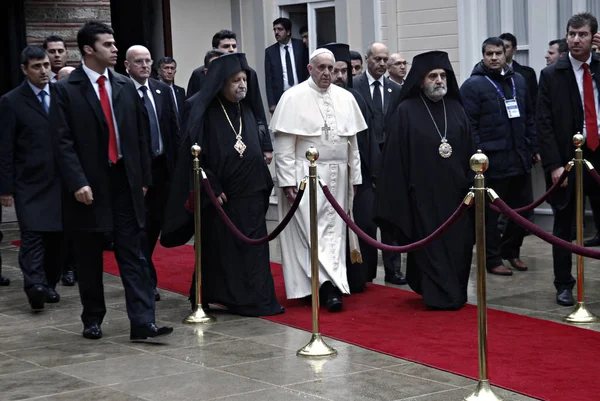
(512, 108)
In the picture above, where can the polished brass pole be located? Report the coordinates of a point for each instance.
(483, 391)
(580, 314)
(316, 347)
(197, 315)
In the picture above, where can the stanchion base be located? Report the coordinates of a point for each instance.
(581, 315)
(199, 317)
(483, 392)
(316, 347)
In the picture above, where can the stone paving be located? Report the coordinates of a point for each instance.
(44, 357)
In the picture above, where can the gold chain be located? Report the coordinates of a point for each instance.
(238, 135)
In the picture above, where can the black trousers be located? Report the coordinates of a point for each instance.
(41, 258)
(1, 237)
(139, 295)
(516, 191)
(156, 200)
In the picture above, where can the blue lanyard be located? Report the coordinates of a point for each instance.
(500, 90)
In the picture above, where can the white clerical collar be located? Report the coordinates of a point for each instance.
(93, 75)
(577, 64)
(314, 86)
(371, 79)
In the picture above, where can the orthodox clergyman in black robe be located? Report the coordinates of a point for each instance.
(359, 273)
(425, 175)
(221, 121)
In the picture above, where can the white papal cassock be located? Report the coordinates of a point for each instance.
(297, 124)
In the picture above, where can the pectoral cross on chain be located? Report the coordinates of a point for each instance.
(325, 131)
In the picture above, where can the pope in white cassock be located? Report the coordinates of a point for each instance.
(327, 117)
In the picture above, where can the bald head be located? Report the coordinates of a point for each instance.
(397, 67)
(321, 69)
(64, 72)
(377, 57)
(138, 63)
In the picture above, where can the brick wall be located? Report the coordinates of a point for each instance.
(63, 18)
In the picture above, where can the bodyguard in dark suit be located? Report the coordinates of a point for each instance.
(380, 94)
(167, 68)
(105, 163)
(29, 175)
(162, 136)
(568, 104)
(510, 43)
(285, 62)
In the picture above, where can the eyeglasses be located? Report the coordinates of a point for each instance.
(400, 63)
(140, 63)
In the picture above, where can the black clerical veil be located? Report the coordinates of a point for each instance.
(341, 52)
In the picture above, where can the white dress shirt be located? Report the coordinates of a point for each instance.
(149, 92)
(93, 77)
(372, 87)
(37, 91)
(282, 52)
(578, 70)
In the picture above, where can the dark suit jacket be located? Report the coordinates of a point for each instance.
(391, 91)
(28, 167)
(195, 82)
(180, 98)
(559, 116)
(167, 120)
(532, 83)
(274, 69)
(83, 148)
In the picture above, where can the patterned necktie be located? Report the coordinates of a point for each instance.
(288, 66)
(591, 120)
(42, 96)
(154, 140)
(113, 150)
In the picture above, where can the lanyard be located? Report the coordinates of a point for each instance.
(500, 90)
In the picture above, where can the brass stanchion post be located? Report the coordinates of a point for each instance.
(483, 391)
(197, 315)
(580, 314)
(316, 347)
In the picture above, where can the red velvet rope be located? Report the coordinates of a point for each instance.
(415, 246)
(594, 174)
(526, 224)
(543, 198)
(238, 233)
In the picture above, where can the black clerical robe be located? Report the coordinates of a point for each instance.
(418, 190)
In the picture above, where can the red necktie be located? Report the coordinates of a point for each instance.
(591, 120)
(113, 151)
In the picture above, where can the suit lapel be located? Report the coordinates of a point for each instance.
(573, 93)
(32, 100)
(276, 59)
(117, 87)
(157, 98)
(89, 94)
(387, 94)
(363, 84)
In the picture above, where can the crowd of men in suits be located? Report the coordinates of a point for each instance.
(107, 146)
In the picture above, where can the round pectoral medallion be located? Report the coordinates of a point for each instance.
(445, 149)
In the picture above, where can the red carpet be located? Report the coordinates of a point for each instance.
(535, 357)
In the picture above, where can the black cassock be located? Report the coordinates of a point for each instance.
(418, 190)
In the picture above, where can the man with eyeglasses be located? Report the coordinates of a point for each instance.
(397, 68)
(162, 136)
(167, 68)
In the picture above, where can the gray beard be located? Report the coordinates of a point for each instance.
(435, 95)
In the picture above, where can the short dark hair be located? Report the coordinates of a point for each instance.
(166, 60)
(493, 41)
(510, 37)
(222, 34)
(285, 22)
(303, 28)
(212, 53)
(88, 34)
(52, 38)
(561, 43)
(32, 53)
(355, 56)
(582, 19)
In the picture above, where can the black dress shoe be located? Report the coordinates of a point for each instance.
(334, 303)
(565, 297)
(148, 330)
(595, 241)
(36, 296)
(68, 279)
(4, 281)
(52, 296)
(156, 295)
(396, 279)
(92, 331)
